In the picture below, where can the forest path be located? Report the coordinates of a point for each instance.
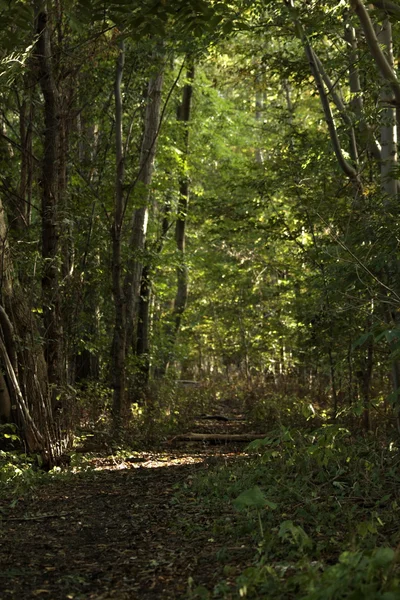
(120, 531)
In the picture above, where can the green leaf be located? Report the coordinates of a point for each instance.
(295, 534)
(383, 557)
(361, 340)
(253, 498)
(201, 592)
(256, 444)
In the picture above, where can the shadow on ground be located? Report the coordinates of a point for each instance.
(119, 532)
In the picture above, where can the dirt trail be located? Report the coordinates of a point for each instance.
(120, 532)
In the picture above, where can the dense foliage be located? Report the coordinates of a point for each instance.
(276, 120)
(208, 191)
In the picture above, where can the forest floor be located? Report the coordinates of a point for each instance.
(122, 529)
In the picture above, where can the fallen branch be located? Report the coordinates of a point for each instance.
(214, 418)
(219, 418)
(218, 438)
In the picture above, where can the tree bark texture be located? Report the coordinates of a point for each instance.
(183, 115)
(119, 340)
(140, 217)
(142, 374)
(356, 102)
(388, 119)
(49, 183)
(381, 61)
(23, 363)
(22, 209)
(143, 327)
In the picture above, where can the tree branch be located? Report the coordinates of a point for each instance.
(346, 167)
(337, 99)
(391, 8)
(380, 59)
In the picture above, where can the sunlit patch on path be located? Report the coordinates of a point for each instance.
(161, 460)
(119, 530)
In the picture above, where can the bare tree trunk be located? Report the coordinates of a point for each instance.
(22, 210)
(119, 342)
(382, 62)
(388, 120)
(183, 116)
(365, 378)
(145, 297)
(67, 250)
(356, 102)
(22, 360)
(49, 182)
(389, 183)
(141, 213)
(85, 364)
(31, 380)
(142, 336)
(137, 243)
(259, 102)
(183, 204)
(127, 294)
(332, 369)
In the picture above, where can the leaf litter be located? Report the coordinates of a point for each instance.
(119, 531)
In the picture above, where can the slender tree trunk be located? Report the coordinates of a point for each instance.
(382, 62)
(144, 308)
(365, 377)
(259, 106)
(126, 291)
(85, 363)
(356, 101)
(66, 234)
(49, 182)
(67, 250)
(141, 213)
(137, 243)
(337, 98)
(332, 368)
(183, 116)
(388, 120)
(22, 213)
(119, 341)
(143, 322)
(142, 336)
(389, 183)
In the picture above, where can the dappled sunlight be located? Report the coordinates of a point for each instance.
(200, 300)
(162, 460)
(152, 462)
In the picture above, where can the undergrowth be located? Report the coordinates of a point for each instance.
(321, 509)
(315, 506)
